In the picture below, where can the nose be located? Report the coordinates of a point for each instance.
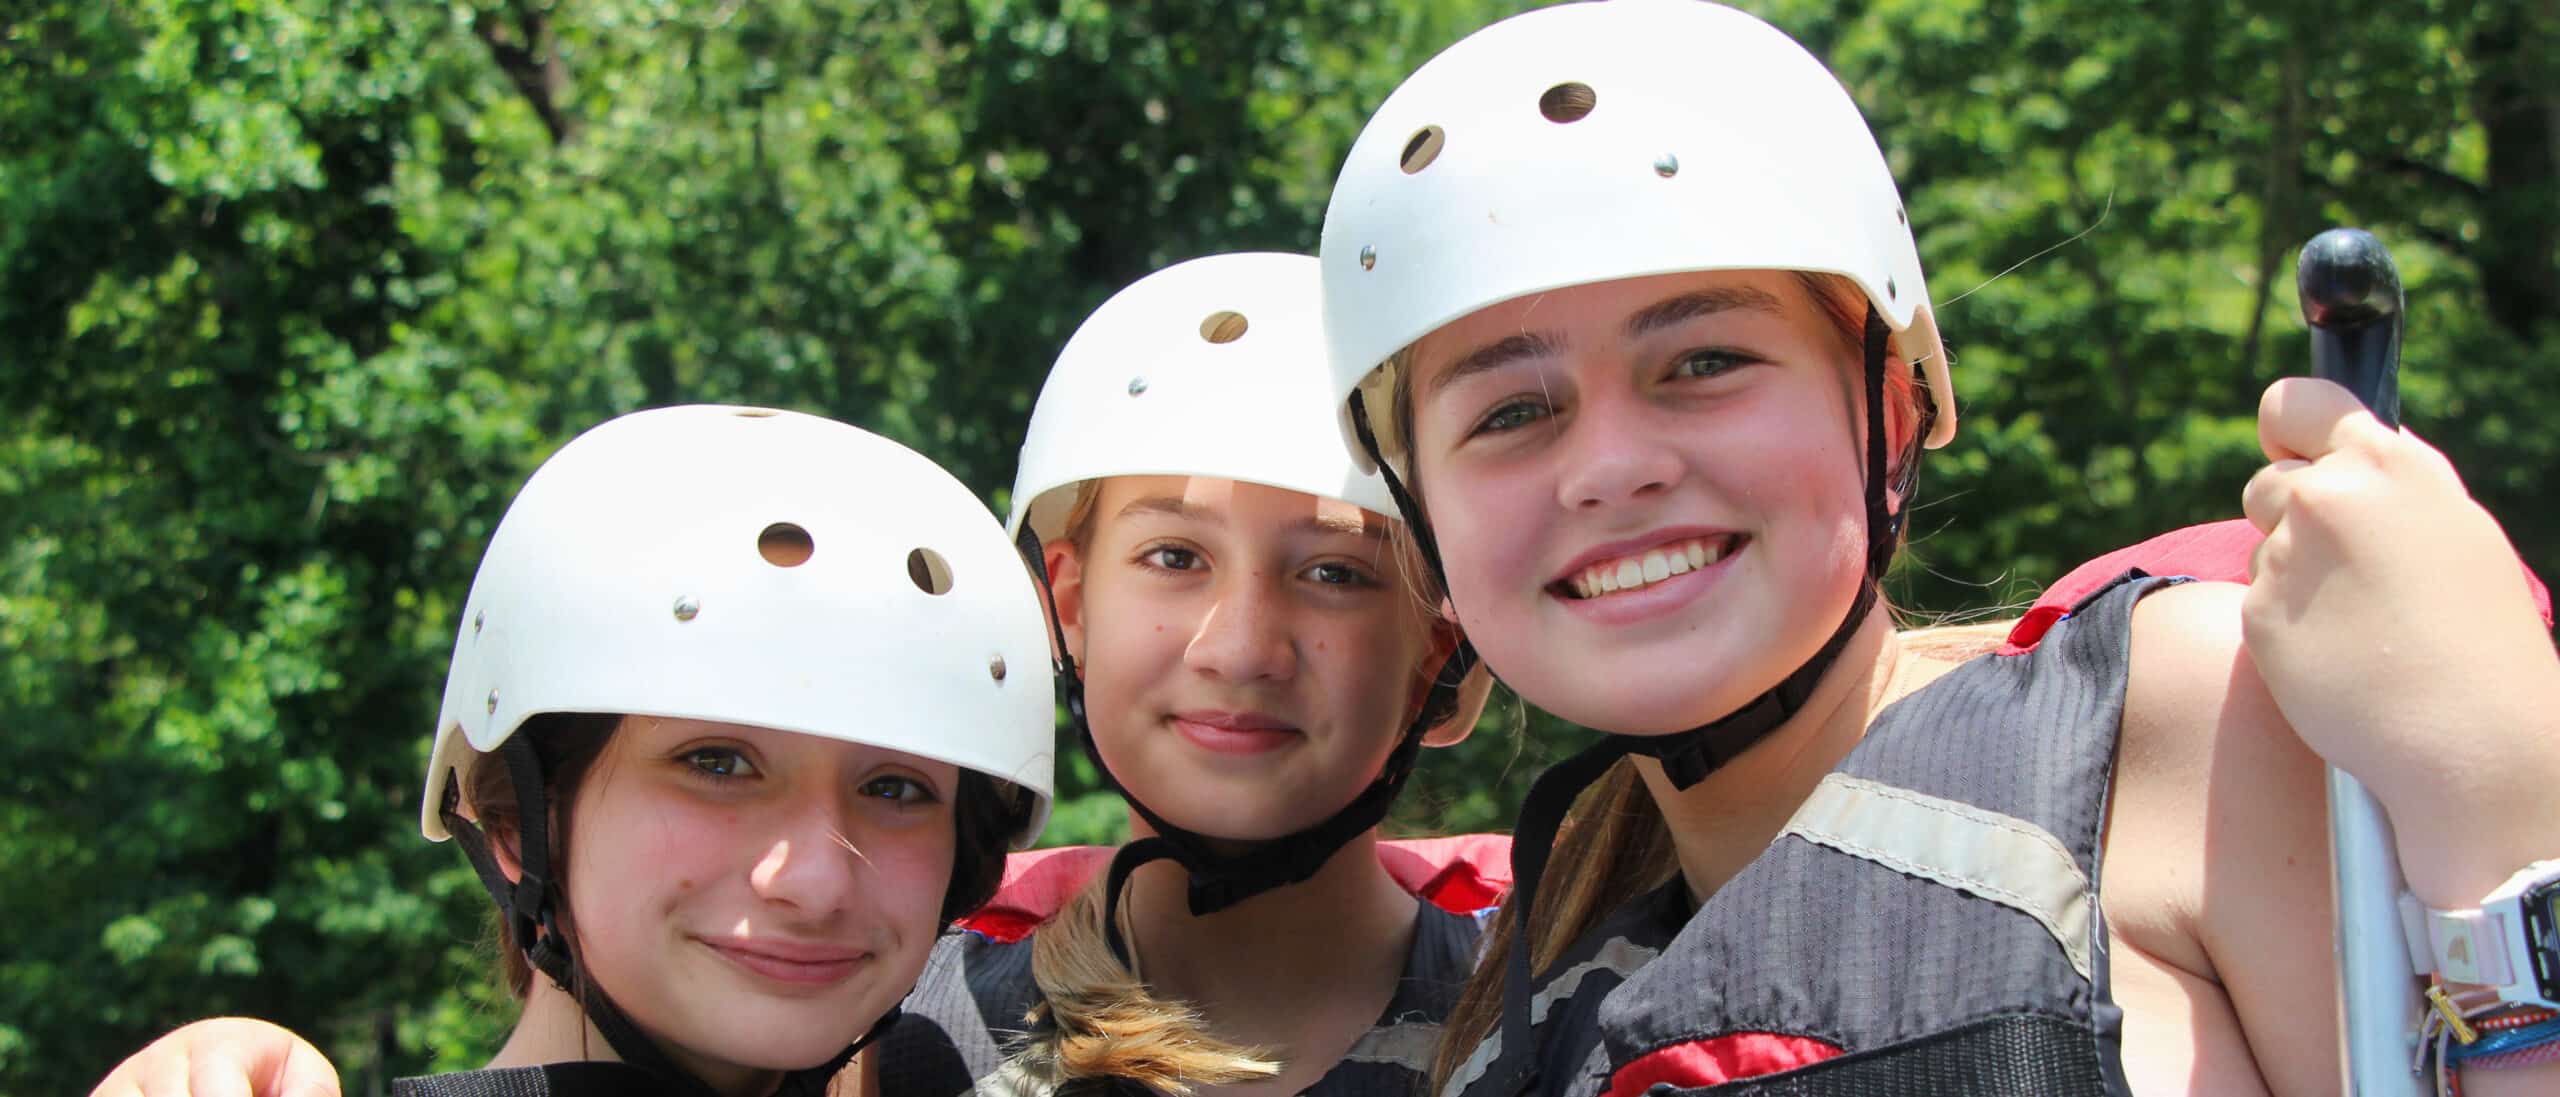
(1612, 455)
(1246, 634)
(813, 860)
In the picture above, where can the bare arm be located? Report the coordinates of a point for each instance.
(2387, 631)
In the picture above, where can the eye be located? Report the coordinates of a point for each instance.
(1511, 415)
(900, 790)
(718, 763)
(1169, 558)
(1711, 362)
(1336, 573)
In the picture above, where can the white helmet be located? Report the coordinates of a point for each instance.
(758, 567)
(1589, 142)
(1211, 367)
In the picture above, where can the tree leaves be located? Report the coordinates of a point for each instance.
(295, 294)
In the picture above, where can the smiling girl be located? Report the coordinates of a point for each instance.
(1624, 297)
(744, 706)
(1254, 674)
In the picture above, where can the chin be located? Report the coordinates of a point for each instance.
(1257, 817)
(794, 1036)
(1595, 698)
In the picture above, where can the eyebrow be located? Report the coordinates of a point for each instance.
(1497, 354)
(1172, 507)
(1175, 507)
(1652, 318)
(1690, 306)
(1340, 524)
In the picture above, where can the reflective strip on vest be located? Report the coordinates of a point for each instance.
(1997, 857)
(1619, 955)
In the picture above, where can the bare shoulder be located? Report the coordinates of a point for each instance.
(2217, 864)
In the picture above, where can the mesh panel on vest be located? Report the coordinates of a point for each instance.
(554, 1080)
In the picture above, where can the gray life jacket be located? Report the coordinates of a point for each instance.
(1927, 923)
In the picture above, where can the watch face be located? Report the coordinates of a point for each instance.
(2541, 908)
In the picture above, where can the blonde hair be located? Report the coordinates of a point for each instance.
(1614, 845)
(1097, 1019)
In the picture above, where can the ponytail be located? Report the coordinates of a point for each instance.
(1612, 848)
(1098, 1025)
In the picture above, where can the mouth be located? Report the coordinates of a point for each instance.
(1620, 574)
(790, 962)
(1234, 732)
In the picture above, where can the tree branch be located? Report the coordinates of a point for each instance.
(532, 66)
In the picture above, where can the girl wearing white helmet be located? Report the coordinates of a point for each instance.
(1244, 658)
(745, 705)
(1623, 296)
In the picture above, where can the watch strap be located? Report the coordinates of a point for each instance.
(2461, 946)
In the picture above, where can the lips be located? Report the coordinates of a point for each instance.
(1614, 570)
(1234, 732)
(791, 962)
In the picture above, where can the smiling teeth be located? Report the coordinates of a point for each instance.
(1652, 566)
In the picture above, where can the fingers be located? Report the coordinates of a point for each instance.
(2269, 491)
(2308, 418)
(304, 1073)
(224, 1057)
(216, 1072)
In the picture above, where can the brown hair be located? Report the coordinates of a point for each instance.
(1614, 845)
(568, 744)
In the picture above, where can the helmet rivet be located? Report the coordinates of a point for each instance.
(1889, 290)
(477, 620)
(493, 702)
(687, 607)
(995, 667)
(1666, 165)
(1137, 386)
(1368, 257)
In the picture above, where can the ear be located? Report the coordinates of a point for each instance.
(502, 847)
(1066, 593)
(1902, 424)
(1472, 693)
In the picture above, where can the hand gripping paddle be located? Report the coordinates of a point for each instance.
(2351, 297)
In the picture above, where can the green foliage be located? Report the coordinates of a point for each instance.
(294, 294)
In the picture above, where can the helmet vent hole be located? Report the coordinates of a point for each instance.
(929, 571)
(1422, 148)
(1567, 102)
(784, 545)
(1223, 326)
(754, 413)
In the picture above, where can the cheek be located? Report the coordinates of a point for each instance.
(1484, 523)
(914, 866)
(1130, 644)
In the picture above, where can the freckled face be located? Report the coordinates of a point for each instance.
(1249, 659)
(756, 899)
(1647, 492)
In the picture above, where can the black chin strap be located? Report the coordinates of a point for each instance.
(529, 906)
(1687, 757)
(1221, 879)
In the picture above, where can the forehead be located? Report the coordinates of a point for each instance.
(1216, 501)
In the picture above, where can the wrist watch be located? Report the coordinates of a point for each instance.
(2509, 943)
